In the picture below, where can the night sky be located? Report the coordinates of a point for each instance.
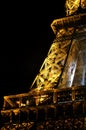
(26, 37)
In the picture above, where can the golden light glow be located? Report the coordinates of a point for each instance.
(73, 5)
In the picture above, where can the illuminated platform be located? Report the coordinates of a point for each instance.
(64, 108)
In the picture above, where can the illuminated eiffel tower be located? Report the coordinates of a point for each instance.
(57, 97)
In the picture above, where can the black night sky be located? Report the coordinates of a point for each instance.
(26, 37)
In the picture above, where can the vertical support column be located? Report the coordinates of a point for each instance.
(73, 94)
(20, 101)
(4, 105)
(10, 117)
(37, 100)
(55, 97)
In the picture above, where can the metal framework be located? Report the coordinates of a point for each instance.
(72, 6)
(57, 97)
(63, 54)
(66, 108)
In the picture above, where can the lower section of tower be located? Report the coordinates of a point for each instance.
(66, 109)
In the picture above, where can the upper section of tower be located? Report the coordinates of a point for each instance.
(75, 6)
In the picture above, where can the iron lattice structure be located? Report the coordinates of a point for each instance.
(57, 98)
(65, 109)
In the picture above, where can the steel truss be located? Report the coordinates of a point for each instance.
(53, 102)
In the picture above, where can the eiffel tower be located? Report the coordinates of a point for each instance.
(57, 96)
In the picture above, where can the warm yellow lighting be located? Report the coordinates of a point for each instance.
(73, 5)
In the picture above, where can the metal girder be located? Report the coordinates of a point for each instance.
(69, 103)
(54, 86)
(66, 30)
(71, 21)
(52, 71)
(72, 6)
(52, 66)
